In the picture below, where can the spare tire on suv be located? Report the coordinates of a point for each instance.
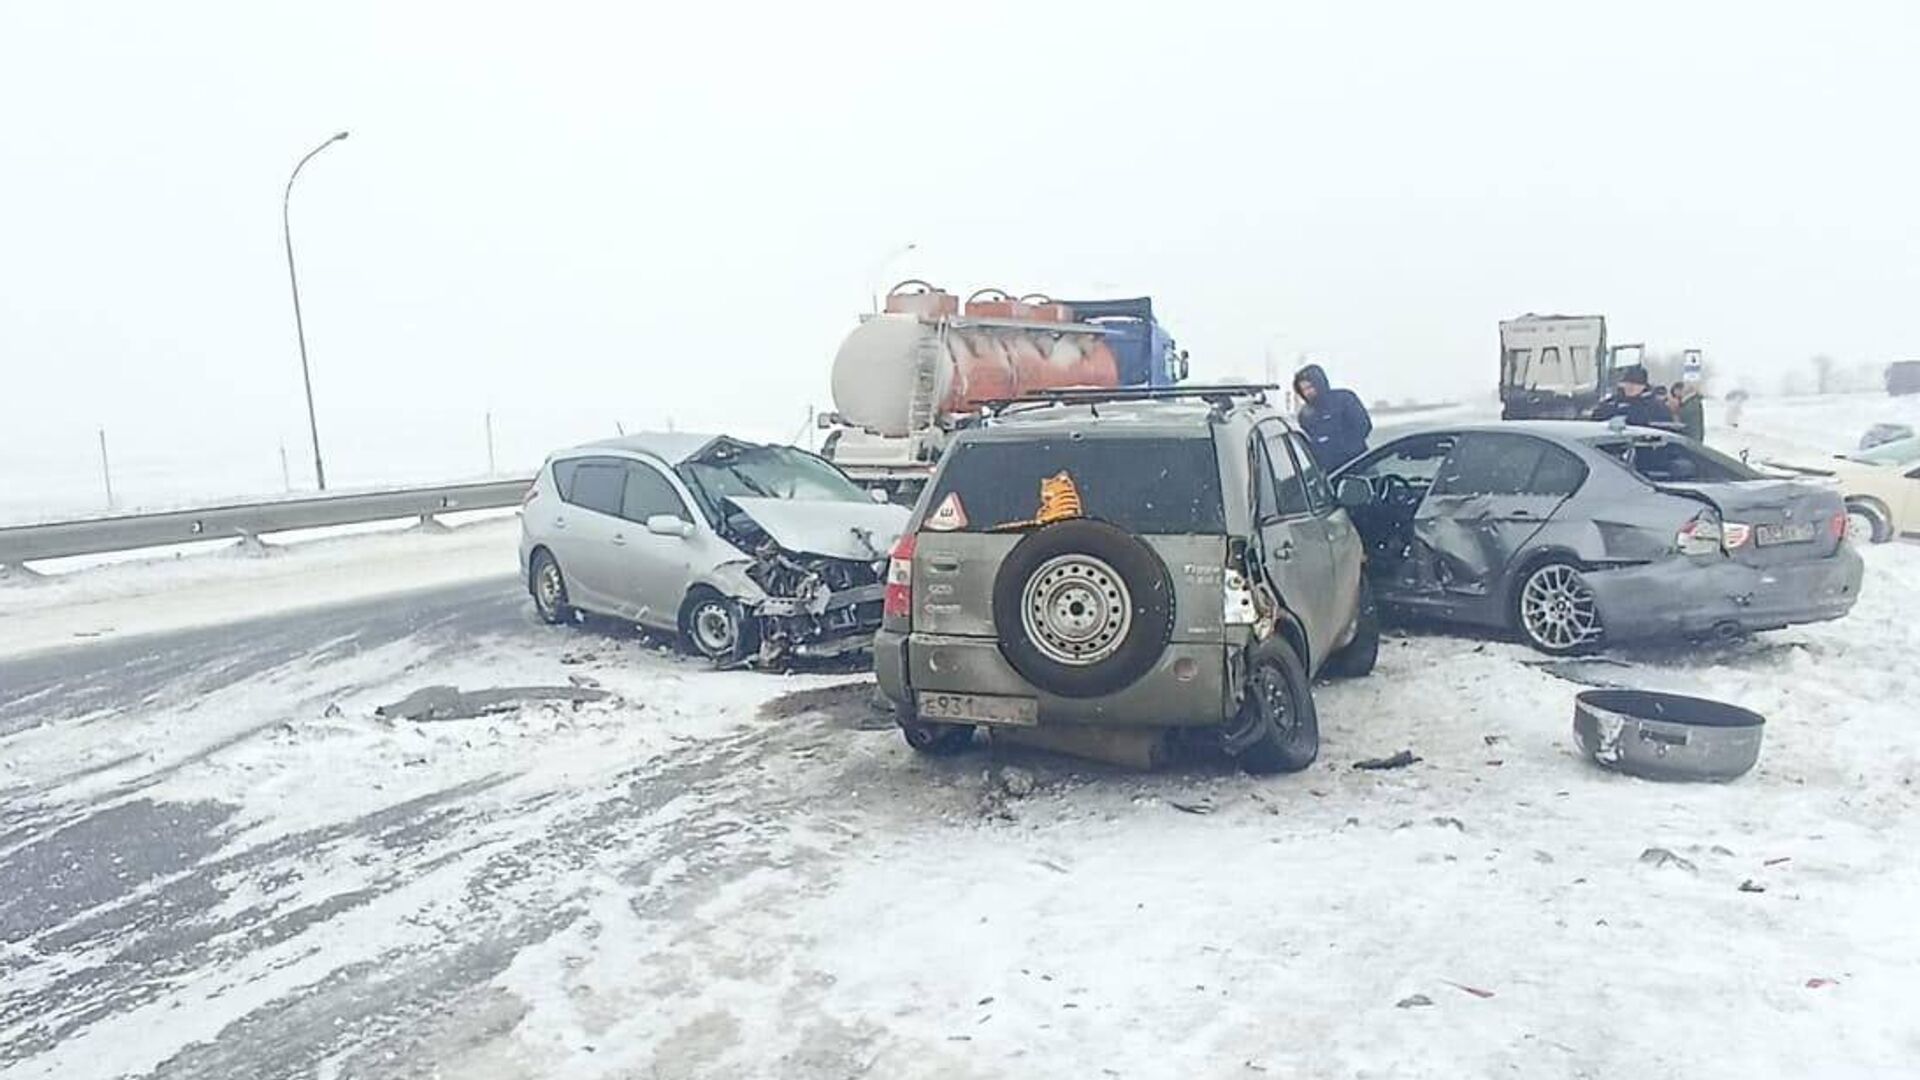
(1082, 608)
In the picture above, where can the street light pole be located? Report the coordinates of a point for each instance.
(299, 327)
(874, 273)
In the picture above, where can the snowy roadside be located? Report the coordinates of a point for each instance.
(1494, 908)
(231, 583)
(699, 877)
(1814, 426)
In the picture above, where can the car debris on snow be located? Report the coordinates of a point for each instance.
(1398, 761)
(452, 703)
(1661, 857)
(1018, 783)
(1416, 1001)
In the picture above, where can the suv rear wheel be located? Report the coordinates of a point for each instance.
(1279, 706)
(1082, 608)
(935, 739)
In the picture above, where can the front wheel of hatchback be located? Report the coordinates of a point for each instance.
(1278, 707)
(1555, 611)
(549, 588)
(716, 627)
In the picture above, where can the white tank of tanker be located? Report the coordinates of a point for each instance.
(873, 373)
(1000, 347)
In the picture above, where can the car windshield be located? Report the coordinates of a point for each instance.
(1898, 452)
(1143, 485)
(732, 470)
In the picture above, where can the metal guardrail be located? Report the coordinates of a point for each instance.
(20, 544)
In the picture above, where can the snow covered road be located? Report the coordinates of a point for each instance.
(216, 860)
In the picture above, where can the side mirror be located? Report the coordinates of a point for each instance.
(668, 525)
(1353, 493)
(878, 495)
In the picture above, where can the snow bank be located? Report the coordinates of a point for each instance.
(229, 583)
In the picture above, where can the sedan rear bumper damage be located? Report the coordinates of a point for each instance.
(1678, 598)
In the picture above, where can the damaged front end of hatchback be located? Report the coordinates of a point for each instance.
(817, 573)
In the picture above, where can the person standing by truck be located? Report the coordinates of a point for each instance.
(1335, 422)
(1634, 401)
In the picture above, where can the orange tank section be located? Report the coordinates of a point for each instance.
(996, 364)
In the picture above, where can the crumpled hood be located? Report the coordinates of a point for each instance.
(863, 532)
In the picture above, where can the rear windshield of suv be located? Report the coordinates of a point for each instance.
(1147, 486)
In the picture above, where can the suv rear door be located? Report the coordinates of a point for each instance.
(1343, 539)
(1163, 489)
(1296, 554)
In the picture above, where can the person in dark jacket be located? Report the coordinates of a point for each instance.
(1690, 411)
(1334, 421)
(1634, 401)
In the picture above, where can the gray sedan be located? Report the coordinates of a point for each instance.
(1575, 534)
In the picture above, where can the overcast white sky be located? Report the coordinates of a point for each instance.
(575, 214)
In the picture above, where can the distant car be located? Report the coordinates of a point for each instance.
(744, 550)
(1879, 434)
(1881, 487)
(1113, 563)
(1577, 534)
(1903, 377)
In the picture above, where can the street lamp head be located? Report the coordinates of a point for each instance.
(340, 136)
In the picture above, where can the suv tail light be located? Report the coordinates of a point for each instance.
(899, 595)
(1837, 526)
(1734, 535)
(1701, 536)
(1238, 600)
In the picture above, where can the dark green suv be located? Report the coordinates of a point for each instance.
(1140, 563)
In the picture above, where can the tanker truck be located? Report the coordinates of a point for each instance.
(913, 373)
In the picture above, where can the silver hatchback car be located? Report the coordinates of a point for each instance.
(745, 551)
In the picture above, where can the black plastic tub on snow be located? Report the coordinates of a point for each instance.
(1667, 736)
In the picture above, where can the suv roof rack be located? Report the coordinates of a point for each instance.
(1219, 395)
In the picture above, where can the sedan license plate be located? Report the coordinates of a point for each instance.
(1799, 532)
(980, 708)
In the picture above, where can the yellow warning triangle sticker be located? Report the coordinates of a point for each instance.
(949, 515)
